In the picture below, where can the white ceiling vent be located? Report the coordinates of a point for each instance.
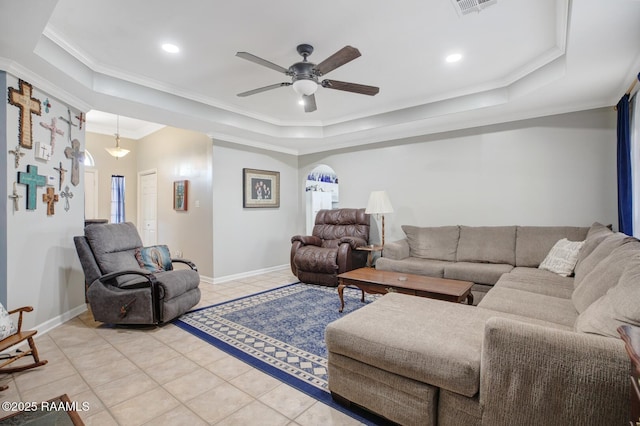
(464, 7)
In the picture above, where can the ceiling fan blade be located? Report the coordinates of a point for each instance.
(341, 57)
(262, 89)
(309, 103)
(351, 87)
(260, 61)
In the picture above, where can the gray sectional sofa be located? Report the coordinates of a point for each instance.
(539, 349)
(479, 254)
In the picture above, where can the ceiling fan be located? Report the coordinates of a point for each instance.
(305, 75)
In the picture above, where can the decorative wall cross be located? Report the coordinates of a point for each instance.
(69, 122)
(28, 105)
(61, 171)
(33, 180)
(53, 128)
(16, 197)
(17, 154)
(43, 151)
(76, 156)
(67, 195)
(81, 118)
(50, 197)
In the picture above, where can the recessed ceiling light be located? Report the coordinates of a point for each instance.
(301, 102)
(454, 57)
(170, 48)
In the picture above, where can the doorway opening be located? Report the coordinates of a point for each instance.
(148, 206)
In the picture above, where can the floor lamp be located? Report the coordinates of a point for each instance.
(379, 204)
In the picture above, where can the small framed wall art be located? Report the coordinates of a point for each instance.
(180, 195)
(261, 188)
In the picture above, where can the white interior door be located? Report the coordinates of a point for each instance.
(90, 194)
(148, 207)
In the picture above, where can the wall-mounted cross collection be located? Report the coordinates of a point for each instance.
(42, 151)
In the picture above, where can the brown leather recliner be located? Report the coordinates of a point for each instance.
(331, 250)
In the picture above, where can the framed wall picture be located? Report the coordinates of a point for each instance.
(180, 195)
(261, 188)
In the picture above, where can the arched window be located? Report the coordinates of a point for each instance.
(88, 159)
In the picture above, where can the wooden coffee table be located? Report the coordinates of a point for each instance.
(374, 281)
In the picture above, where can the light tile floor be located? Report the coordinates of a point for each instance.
(164, 375)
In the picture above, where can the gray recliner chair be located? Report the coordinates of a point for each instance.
(120, 291)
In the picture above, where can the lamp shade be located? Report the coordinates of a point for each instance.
(117, 151)
(379, 203)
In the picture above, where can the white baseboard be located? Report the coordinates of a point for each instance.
(220, 280)
(206, 280)
(49, 325)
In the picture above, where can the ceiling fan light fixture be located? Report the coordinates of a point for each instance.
(454, 57)
(170, 48)
(305, 87)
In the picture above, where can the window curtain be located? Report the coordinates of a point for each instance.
(625, 198)
(117, 199)
(635, 160)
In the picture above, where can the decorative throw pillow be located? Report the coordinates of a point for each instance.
(7, 327)
(154, 258)
(562, 257)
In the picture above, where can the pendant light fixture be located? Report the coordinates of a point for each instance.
(117, 151)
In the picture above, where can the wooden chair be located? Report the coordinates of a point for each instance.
(12, 340)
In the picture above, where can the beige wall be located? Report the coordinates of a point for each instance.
(556, 170)
(39, 266)
(106, 165)
(179, 154)
(252, 239)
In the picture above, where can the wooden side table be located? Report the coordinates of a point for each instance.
(371, 249)
(631, 337)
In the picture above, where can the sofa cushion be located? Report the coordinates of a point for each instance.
(605, 275)
(489, 244)
(439, 243)
(177, 282)
(479, 273)
(534, 242)
(596, 234)
(413, 265)
(602, 250)
(619, 306)
(337, 223)
(114, 247)
(562, 257)
(538, 281)
(407, 350)
(532, 305)
(396, 250)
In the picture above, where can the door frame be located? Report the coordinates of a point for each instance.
(94, 172)
(139, 201)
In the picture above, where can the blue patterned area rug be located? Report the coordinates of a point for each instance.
(281, 332)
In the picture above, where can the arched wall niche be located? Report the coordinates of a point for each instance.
(321, 192)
